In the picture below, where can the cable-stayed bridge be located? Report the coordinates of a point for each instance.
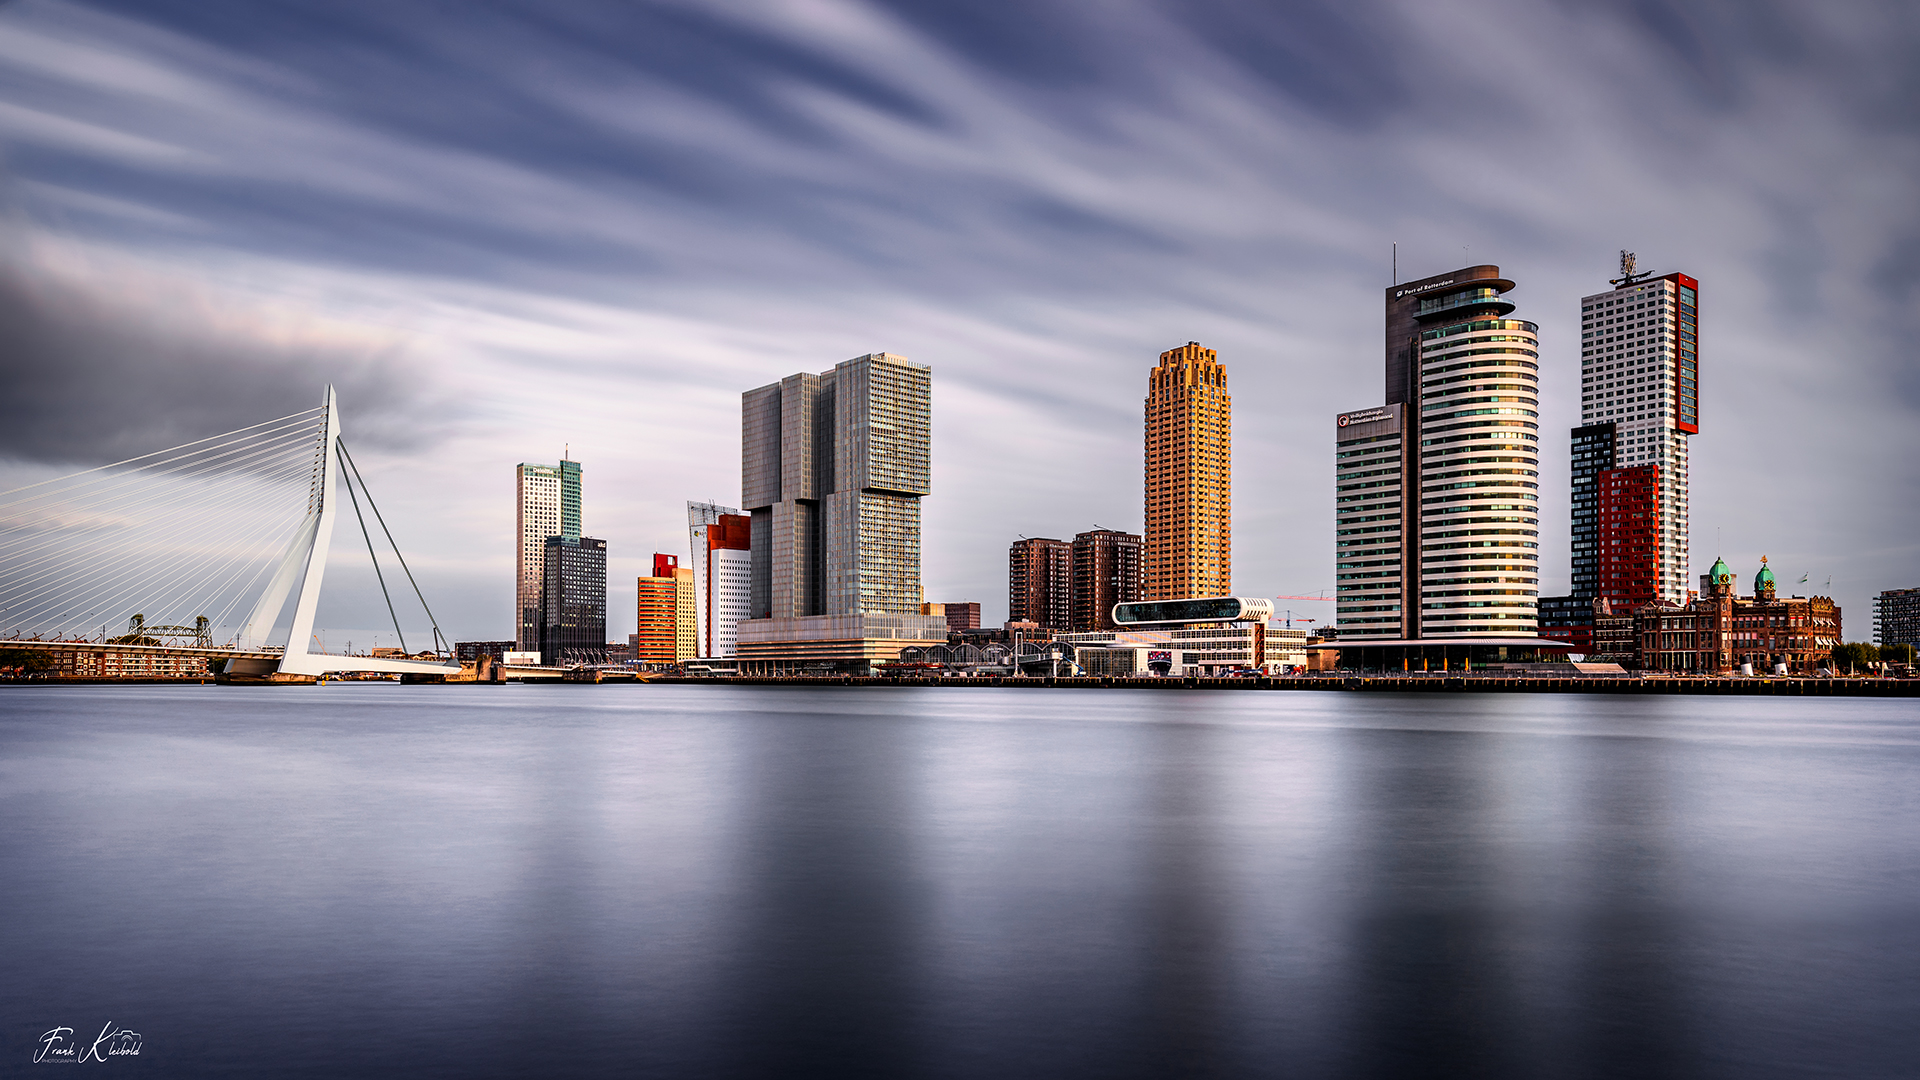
(222, 542)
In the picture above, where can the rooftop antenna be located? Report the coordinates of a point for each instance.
(1629, 272)
(1396, 262)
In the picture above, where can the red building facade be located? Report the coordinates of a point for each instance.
(1629, 536)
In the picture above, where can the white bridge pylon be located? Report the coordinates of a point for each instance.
(305, 561)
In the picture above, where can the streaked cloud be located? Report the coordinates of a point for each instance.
(597, 223)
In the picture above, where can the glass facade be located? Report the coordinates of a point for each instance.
(1479, 477)
(1208, 609)
(833, 469)
(1593, 447)
(1369, 466)
(574, 613)
(1438, 493)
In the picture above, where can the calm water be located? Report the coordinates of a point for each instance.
(709, 881)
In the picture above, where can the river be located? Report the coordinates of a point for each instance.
(695, 881)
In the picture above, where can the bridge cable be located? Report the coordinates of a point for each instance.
(382, 578)
(440, 642)
(157, 453)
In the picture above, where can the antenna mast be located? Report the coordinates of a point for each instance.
(1629, 274)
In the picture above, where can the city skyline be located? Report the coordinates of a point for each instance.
(1029, 230)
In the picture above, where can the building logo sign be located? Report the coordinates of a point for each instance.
(1367, 417)
(1416, 290)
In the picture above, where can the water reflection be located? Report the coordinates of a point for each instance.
(706, 881)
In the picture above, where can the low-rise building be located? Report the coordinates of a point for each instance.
(1210, 635)
(962, 617)
(1616, 639)
(1569, 619)
(1719, 632)
(470, 652)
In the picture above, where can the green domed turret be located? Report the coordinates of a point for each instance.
(1719, 580)
(1763, 587)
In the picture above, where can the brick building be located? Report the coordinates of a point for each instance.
(1720, 631)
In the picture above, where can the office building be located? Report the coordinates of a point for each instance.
(1189, 444)
(1107, 570)
(686, 630)
(833, 467)
(656, 636)
(1040, 582)
(722, 564)
(1437, 491)
(1896, 617)
(547, 504)
(722, 539)
(573, 626)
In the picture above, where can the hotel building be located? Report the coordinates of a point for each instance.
(1437, 491)
(547, 504)
(1189, 443)
(833, 467)
(1718, 632)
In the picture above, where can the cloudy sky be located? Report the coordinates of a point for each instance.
(504, 229)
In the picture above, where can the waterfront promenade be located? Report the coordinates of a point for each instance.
(1423, 683)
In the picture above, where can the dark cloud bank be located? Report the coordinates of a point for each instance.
(92, 377)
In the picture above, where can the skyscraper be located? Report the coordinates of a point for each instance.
(700, 516)
(1437, 492)
(573, 598)
(1106, 571)
(1189, 444)
(1639, 405)
(1040, 582)
(833, 467)
(722, 563)
(547, 504)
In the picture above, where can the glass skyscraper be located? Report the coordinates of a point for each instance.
(833, 467)
(1438, 492)
(547, 503)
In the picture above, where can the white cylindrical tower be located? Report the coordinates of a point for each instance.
(1479, 466)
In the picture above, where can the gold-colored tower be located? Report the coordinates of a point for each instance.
(1189, 476)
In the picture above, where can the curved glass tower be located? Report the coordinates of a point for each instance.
(1479, 464)
(1438, 493)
